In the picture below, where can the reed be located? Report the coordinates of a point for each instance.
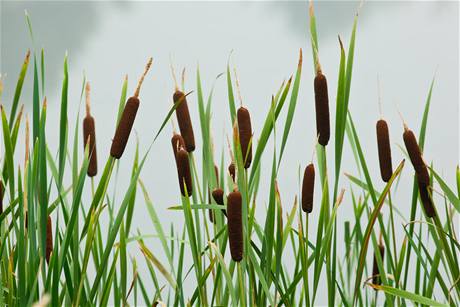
(322, 108)
(89, 135)
(376, 280)
(245, 133)
(384, 149)
(184, 120)
(49, 239)
(235, 225)
(128, 116)
(183, 172)
(308, 186)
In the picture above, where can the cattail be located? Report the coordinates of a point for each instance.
(415, 156)
(231, 170)
(308, 188)
(89, 135)
(2, 192)
(322, 108)
(383, 144)
(127, 119)
(183, 171)
(216, 171)
(375, 268)
(211, 212)
(218, 196)
(235, 225)
(184, 121)
(245, 133)
(177, 142)
(49, 239)
(427, 202)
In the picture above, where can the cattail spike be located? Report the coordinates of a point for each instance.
(308, 187)
(245, 135)
(235, 225)
(376, 280)
(322, 108)
(384, 150)
(141, 79)
(183, 171)
(184, 120)
(49, 239)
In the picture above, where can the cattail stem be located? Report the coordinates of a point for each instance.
(235, 225)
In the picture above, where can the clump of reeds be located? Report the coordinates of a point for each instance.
(308, 186)
(322, 108)
(184, 120)
(127, 119)
(245, 135)
(49, 239)
(89, 135)
(376, 280)
(183, 172)
(235, 225)
(421, 170)
(384, 149)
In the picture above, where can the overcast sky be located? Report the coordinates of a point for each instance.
(404, 43)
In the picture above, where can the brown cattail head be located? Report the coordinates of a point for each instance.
(124, 127)
(177, 141)
(184, 121)
(322, 108)
(127, 119)
(235, 225)
(216, 171)
(218, 196)
(231, 171)
(383, 144)
(415, 156)
(89, 136)
(183, 171)
(245, 133)
(308, 188)
(49, 239)
(2, 192)
(427, 202)
(375, 268)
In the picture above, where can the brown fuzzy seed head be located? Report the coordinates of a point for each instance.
(384, 148)
(2, 192)
(322, 109)
(308, 186)
(415, 156)
(89, 132)
(184, 120)
(376, 280)
(177, 141)
(425, 198)
(245, 133)
(218, 196)
(124, 128)
(183, 171)
(231, 171)
(49, 239)
(235, 225)
(216, 171)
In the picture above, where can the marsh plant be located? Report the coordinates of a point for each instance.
(54, 251)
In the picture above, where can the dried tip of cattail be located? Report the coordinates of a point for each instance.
(141, 79)
(124, 128)
(308, 186)
(300, 58)
(87, 91)
(322, 108)
(49, 239)
(310, 8)
(184, 121)
(384, 150)
(245, 135)
(376, 280)
(183, 171)
(235, 225)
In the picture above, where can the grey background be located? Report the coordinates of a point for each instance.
(404, 43)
